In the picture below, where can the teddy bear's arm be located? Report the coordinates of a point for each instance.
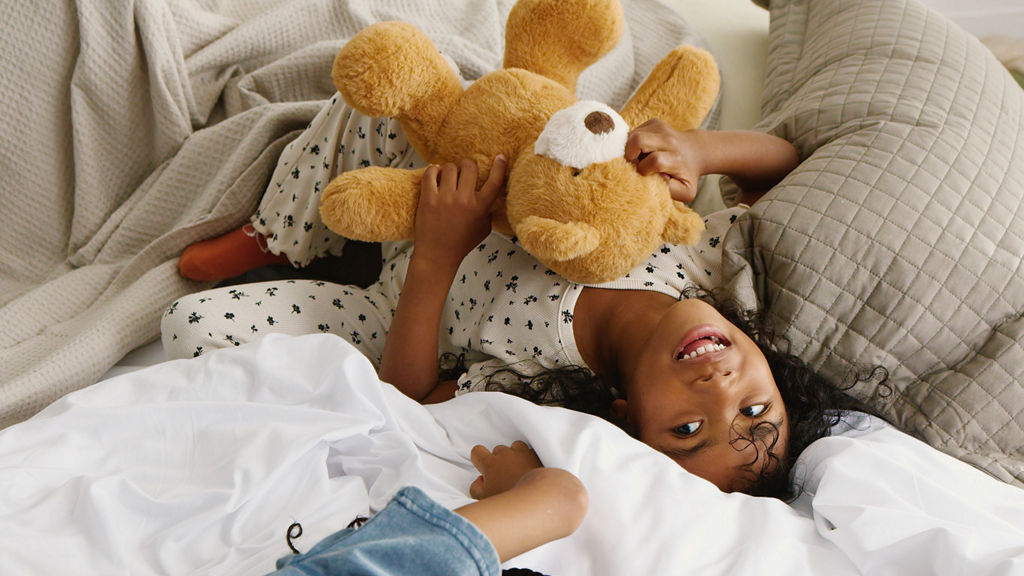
(681, 89)
(372, 204)
(393, 69)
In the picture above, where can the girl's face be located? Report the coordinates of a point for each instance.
(697, 393)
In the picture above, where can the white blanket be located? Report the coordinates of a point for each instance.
(130, 129)
(199, 467)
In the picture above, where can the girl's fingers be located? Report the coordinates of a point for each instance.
(449, 177)
(646, 138)
(680, 190)
(476, 489)
(654, 162)
(495, 179)
(429, 181)
(635, 145)
(478, 455)
(468, 173)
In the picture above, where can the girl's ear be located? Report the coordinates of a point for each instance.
(620, 415)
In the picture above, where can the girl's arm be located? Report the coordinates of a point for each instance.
(452, 217)
(522, 504)
(753, 160)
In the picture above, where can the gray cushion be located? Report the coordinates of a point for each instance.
(899, 240)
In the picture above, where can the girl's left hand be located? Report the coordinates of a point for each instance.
(502, 468)
(452, 216)
(656, 147)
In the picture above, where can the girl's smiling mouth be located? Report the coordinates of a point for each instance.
(704, 342)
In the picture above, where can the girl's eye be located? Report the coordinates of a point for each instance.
(688, 429)
(754, 411)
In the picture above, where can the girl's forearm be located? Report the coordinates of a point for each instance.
(409, 361)
(755, 161)
(546, 504)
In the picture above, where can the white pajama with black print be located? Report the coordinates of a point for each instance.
(337, 140)
(503, 309)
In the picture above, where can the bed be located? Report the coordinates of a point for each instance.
(899, 242)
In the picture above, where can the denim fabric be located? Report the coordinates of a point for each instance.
(411, 535)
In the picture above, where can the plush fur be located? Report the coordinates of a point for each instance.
(589, 223)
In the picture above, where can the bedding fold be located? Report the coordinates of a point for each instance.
(200, 466)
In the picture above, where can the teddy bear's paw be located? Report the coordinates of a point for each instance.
(372, 204)
(687, 75)
(551, 240)
(391, 68)
(684, 226)
(537, 36)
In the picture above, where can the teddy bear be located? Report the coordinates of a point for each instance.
(571, 198)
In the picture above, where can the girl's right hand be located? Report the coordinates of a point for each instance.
(502, 468)
(452, 216)
(656, 147)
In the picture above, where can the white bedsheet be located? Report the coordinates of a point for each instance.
(199, 466)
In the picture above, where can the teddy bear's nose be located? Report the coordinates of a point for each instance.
(599, 123)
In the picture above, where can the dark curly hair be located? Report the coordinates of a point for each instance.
(813, 404)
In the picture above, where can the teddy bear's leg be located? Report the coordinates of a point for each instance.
(393, 69)
(372, 204)
(681, 89)
(558, 39)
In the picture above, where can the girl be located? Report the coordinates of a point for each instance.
(682, 376)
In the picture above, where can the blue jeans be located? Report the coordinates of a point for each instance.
(411, 535)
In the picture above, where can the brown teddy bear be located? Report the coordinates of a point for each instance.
(572, 199)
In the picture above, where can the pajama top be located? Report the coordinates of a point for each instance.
(512, 311)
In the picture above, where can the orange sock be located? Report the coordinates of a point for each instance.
(227, 256)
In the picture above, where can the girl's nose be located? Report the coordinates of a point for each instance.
(721, 378)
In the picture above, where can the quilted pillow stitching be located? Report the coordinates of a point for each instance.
(908, 124)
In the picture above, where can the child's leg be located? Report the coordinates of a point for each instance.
(235, 315)
(287, 227)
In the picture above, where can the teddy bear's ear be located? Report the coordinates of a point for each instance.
(551, 240)
(681, 89)
(684, 226)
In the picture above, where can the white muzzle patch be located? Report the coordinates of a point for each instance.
(585, 133)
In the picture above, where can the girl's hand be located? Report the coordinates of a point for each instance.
(501, 468)
(452, 216)
(654, 146)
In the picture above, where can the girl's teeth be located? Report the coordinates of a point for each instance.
(704, 350)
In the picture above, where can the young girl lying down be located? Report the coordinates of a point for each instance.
(692, 375)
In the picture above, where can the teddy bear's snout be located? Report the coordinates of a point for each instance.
(583, 134)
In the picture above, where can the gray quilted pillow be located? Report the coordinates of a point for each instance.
(899, 241)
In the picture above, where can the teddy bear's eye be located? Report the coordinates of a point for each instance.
(576, 173)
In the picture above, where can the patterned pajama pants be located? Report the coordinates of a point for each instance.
(234, 315)
(338, 139)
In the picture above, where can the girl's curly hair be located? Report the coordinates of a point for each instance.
(813, 404)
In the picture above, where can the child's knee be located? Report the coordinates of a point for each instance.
(179, 330)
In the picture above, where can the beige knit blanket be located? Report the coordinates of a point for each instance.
(132, 128)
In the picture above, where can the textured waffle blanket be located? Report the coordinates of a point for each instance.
(132, 128)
